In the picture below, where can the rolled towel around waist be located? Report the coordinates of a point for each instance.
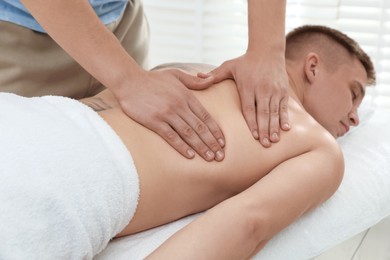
(67, 182)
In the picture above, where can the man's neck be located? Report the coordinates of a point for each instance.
(296, 84)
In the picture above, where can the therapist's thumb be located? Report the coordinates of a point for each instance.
(194, 82)
(219, 73)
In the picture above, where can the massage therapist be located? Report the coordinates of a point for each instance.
(75, 47)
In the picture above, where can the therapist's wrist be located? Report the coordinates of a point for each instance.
(127, 81)
(267, 48)
(276, 56)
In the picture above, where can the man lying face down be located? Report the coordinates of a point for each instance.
(254, 192)
(270, 188)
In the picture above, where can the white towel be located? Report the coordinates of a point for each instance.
(67, 182)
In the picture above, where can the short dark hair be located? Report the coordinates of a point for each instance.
(308, 33)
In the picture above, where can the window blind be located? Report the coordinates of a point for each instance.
(196, 31)
(213, 31)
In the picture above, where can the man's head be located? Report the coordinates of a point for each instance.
(334, 72)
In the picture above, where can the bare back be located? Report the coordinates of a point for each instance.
(173, 186)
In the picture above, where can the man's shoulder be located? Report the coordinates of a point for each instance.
(306, 129)
(312, 140)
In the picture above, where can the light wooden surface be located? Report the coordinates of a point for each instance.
(371, 244)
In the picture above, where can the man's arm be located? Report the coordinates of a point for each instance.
(158, 100)
(240, 226)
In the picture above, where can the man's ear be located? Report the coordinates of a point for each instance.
(311, 66)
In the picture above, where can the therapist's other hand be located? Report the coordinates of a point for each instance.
(161, 102)
(262, 85)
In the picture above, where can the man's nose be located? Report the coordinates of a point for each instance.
(353, 118)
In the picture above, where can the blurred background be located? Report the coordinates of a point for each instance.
(212, 31)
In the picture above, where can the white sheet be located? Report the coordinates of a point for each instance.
(362, 200)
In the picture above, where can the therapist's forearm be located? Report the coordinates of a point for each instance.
(74, 25)
(266, 26)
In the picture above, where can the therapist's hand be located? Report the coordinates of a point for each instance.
(161, 102)
(158, 100)
(262, 84)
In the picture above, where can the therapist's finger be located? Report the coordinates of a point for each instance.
(199, 112)
(248, 107)
(283, 114)
(173, 139)
(224, 71)
(206, 128)
(193, 82)
(263, 119)
(191, 137)
(274, 130)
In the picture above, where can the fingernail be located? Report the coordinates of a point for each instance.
(190, 153)
(266, 141)
(221, 142)
(275, 136)
(209, 155)
(219, 155)
(255, 134)
(286, 126)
